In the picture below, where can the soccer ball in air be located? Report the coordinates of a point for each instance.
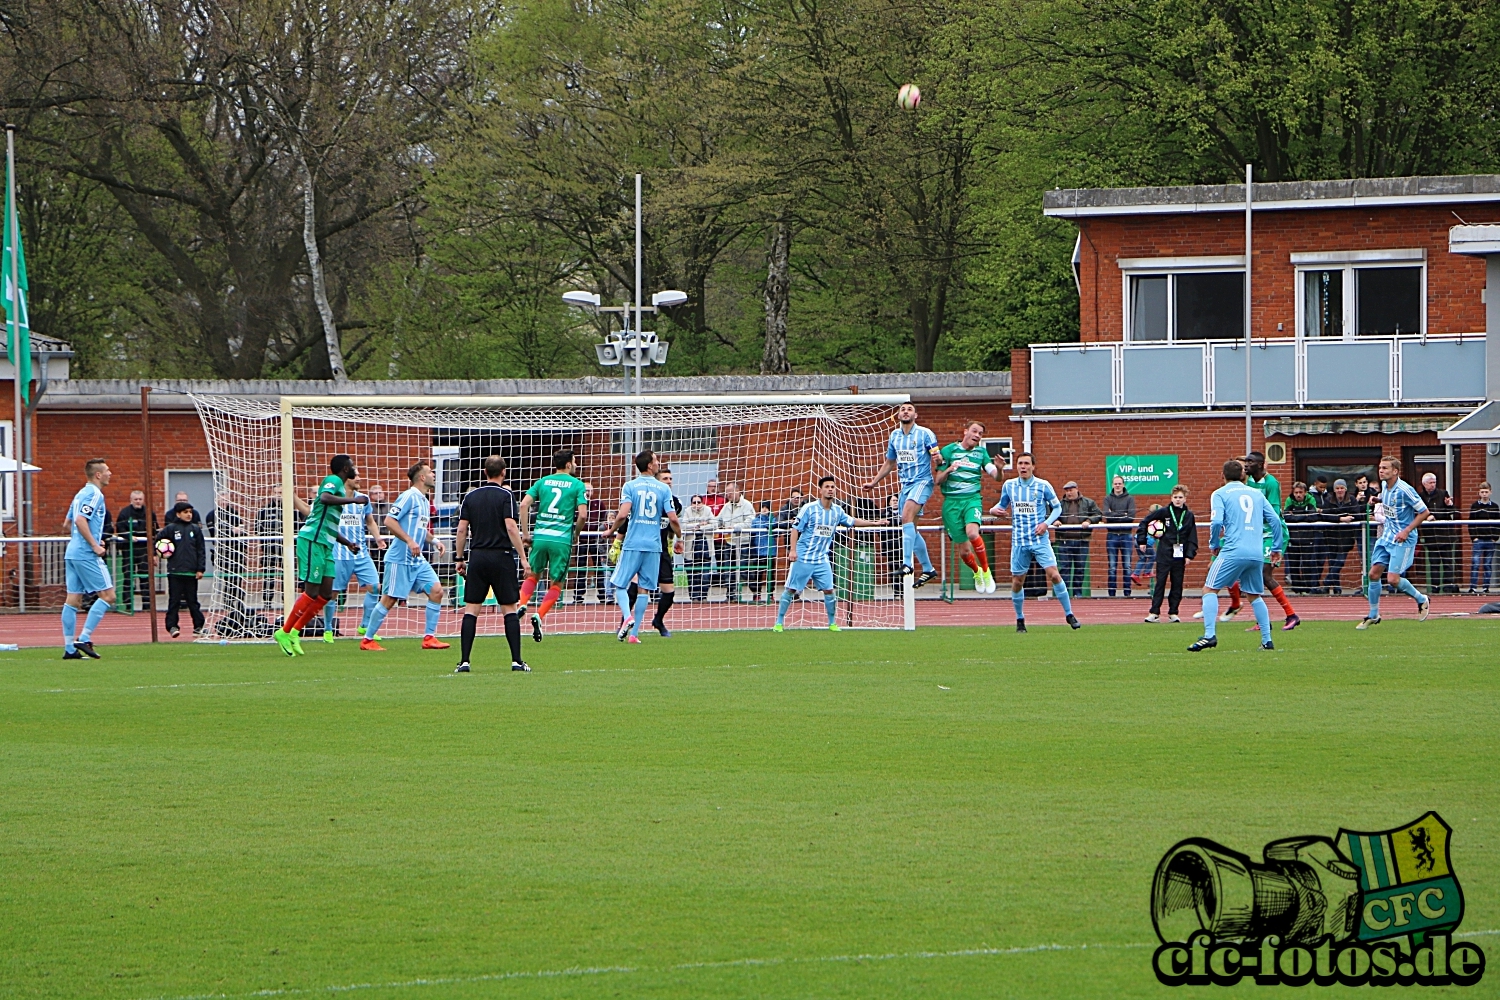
(1156, 529)
(909, 96)
(165, 548)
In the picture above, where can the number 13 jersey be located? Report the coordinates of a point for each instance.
(649, 500)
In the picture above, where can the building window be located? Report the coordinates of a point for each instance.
(1372, 293)
(1192, 305)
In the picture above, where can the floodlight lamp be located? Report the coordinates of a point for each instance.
(668, 299)
(582, 300)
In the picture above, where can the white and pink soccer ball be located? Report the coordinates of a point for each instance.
(909, 96)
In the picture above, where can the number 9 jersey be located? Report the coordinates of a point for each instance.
(649, 500)
(1241, 517)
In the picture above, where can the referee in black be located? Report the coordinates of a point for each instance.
(488, 558)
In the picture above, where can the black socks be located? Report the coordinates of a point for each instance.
(470, 626)
(663, 605)
(512, 635)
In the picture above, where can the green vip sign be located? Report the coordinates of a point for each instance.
(1148, 474)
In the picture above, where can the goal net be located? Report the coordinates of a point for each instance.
(742, 457)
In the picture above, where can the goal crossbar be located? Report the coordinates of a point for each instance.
(602, 400)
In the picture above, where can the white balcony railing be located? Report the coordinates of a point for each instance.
(1371, 371)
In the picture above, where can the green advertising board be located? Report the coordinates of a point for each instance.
(1147, 474)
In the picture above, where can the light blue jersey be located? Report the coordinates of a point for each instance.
(816, 528)
(1401, 505)
(88, 503)
(1031, 502)
(413, 511)
(352, 526)
(1241, 516)
(912, 453)
(650, 499)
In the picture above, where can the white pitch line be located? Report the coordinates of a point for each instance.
(684, 967)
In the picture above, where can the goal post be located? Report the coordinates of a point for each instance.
(756, 448)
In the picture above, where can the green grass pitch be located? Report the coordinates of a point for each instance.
(950, 813)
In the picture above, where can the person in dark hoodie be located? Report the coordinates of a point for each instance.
(1176, 547)
(185, 565)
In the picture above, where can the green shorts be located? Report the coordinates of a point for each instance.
(550, 559)
(959, 512)
(314, 561)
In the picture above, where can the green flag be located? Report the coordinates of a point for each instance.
(17, 323)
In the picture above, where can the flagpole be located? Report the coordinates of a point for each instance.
(13, 237)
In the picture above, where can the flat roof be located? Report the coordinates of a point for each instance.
(75, 394)
(1362, 192)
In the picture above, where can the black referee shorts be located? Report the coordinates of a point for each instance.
(492, 569)
(666, 570)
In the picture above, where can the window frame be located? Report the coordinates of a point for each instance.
(1348, 262)
(1169, 268)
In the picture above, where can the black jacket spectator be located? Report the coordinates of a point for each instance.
(189, 550)
(1119, 509)
(1340, 535)
(1484, 510)
(1080, 511)
(133, 521)
(1186, 534)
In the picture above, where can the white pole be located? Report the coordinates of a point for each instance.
(18, 433)
(1249, 336)
(288, 514)
(908, 603)
(638, 281)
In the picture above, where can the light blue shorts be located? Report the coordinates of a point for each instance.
(642, 564)
(87, 575)
(1248, 573)
(1035, 553)
(1396, 557)
(402, 579)
(360, 567)
(917, 492)
(819, 574)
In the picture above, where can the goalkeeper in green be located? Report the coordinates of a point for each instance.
(960, 475)
(562, 506)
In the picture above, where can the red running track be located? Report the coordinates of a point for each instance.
(46, 629)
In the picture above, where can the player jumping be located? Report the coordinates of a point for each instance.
(315, 570)
(643, 502)
(356, 523)
(1241, 516)
(1030, 544)
(407, 570)
(1397, 545)
(812, 536)
(83, 562)
(912, 453)
(961, 473)
(562, 507)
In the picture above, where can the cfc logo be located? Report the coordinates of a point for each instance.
(1376, 908)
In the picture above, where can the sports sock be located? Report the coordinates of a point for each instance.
(1280, 596)
(908, 544)
(466, 632)
(640, 612)
(1018, 598)
(553, 595)
(377, 618)
(1234, 597)
(625, 600)
(331, 614)
(306, 608)
(96, 615)
(293, 616)
(528, 587)
(1262, 618)
(513, 635)
(434, 609)
(831, 604)
(1376, 586)
(663, 605)
(70, 626)
(921, 548)
(1405, 586)
(970, 561)
(371, 599)
(1210, 613)
(782, 606)
(1060, 591)
(981, 557)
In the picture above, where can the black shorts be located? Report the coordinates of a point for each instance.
(666, 571)
(492, 569)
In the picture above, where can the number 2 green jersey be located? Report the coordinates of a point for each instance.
(968, 469)
(557, 498)
(323, 522)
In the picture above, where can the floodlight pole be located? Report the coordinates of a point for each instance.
(18, 432)
(1249, 335)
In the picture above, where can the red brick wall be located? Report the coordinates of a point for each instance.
(1454, 281)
